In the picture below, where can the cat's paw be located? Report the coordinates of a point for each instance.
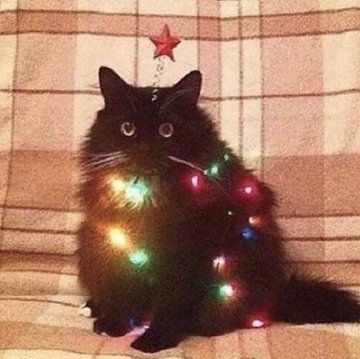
(151, 342)
(110, 327)
(89, 309)
(84, 311)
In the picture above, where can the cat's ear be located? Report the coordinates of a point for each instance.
(186, 92)
(115, 90)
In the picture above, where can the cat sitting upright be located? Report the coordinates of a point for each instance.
(177, 231)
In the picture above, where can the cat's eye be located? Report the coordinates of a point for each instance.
(166, 130)
(128, 129)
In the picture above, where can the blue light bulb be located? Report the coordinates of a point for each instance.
(134, 322)
(248, 233)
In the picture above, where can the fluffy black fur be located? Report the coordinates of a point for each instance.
(182, 229)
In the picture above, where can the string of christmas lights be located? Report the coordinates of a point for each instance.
(135, 191)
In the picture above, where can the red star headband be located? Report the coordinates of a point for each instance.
(164, 47)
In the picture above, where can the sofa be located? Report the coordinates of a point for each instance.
(281, 81)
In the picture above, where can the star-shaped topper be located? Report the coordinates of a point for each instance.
(165, 43)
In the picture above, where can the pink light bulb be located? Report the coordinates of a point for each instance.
(248, 189)
(259, 320)
(195, 181)
(257, 323)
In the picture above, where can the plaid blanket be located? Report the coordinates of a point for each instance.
(282, 81)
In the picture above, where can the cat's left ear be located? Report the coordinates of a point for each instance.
(186, 92)
(115, 90)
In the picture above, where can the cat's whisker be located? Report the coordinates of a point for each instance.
(103, 154)
(186, 163)
(97, 161)
(117, 158)
(105, 164)
(102, 167)
(94, 159)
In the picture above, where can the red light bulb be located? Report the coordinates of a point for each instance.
(249, 188)
(249, 192)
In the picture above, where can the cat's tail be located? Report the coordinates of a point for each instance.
(308, 300)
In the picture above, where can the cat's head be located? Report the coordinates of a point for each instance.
(140, 128)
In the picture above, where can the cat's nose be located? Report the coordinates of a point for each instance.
(143, 148)
(144, 155)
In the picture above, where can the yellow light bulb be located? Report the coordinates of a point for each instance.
(219, 263)
(118, 237)
(117, 185)
(256, 221)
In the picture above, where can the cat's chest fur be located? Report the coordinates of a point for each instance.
(147, 203)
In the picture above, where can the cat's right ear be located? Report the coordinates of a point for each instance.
(115, 90)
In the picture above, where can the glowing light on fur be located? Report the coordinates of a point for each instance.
(219, 263)
(134, 191)
(226, 291)
(118, 237)
(230, 212)
(248, 233)
(139, 257)
(226, 157)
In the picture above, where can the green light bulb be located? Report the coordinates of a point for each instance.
(139, 257)
(226, 291)
(137, 191)
(213, 170)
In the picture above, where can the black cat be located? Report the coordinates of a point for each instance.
(177, 231)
